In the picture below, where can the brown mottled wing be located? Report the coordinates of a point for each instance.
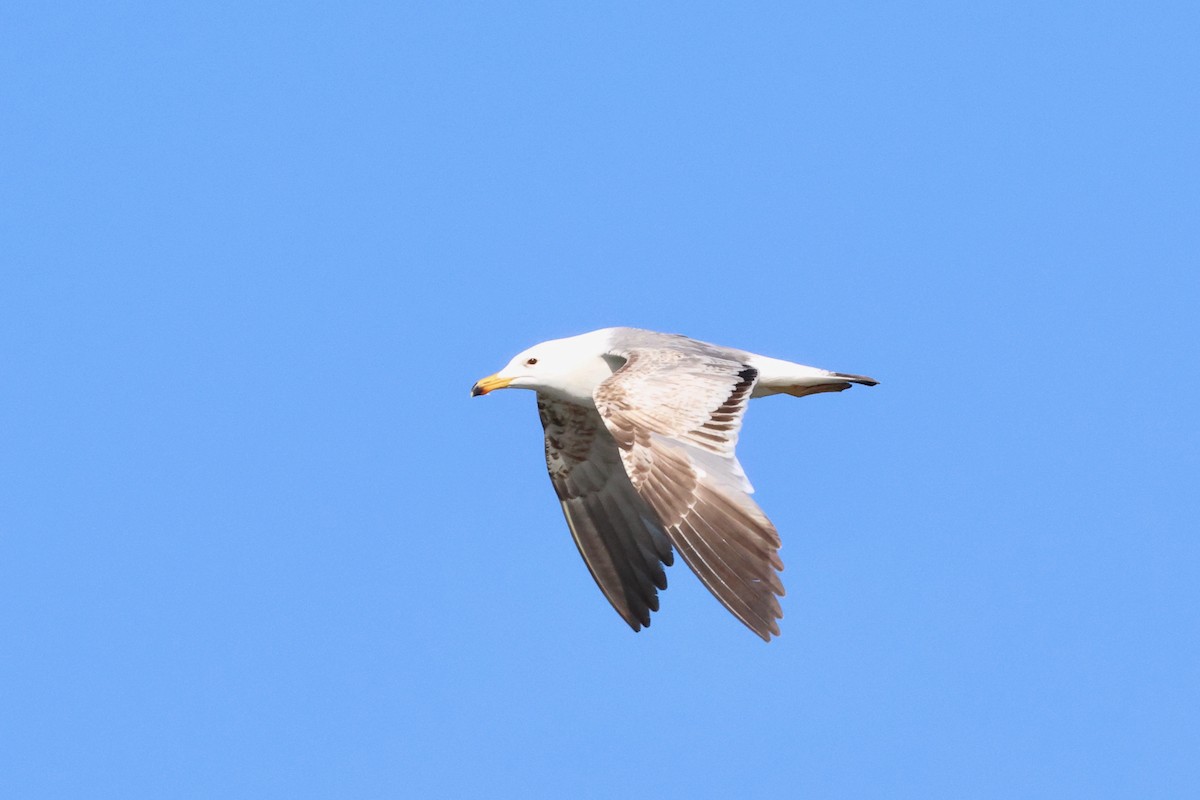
(617, 535)
(675, 416)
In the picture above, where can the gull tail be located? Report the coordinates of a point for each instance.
(784, 377)
(831, 382)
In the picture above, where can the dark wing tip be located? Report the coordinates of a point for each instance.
(862, 380)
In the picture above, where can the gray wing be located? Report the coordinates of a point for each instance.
(675, 415)
(621, 542)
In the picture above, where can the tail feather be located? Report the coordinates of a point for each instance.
(798, 380)
(824, 384)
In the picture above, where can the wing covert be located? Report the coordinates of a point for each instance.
(675, 418)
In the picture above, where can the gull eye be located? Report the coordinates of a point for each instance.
(529, 362)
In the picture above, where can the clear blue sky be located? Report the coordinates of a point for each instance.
(256, 540)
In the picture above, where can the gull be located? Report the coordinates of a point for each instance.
(640, 431)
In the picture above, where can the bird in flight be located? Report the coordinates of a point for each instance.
(640, 435)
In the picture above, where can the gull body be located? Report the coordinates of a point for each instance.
(571, 368)
(640, 435)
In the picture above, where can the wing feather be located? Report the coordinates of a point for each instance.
(617, 535)
(675, 417)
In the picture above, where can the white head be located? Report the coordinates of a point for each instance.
(570, 369)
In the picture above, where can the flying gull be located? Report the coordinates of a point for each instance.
(640, 435)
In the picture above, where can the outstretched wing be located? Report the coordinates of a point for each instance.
(617, 535)
(675, 416)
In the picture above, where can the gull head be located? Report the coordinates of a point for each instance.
(569, 369)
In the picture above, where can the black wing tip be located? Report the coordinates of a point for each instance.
(766, 634)
(637, 611)
(861, 380)
(637, 624)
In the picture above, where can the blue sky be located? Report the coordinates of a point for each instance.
(256, 540)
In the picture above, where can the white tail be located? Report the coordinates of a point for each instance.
(784, 377)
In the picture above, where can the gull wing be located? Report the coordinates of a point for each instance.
(675, 414)
(619, 538)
